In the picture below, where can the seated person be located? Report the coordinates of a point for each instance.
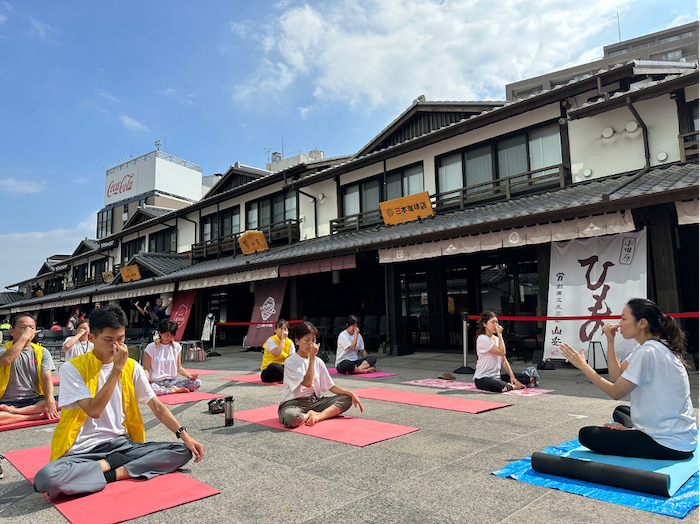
(26, 390)
(305, 379)
(659, 423)
(491, 355)
(100, 437)
(275, 351)
(351, 356)
(79, 343)
(162, 363)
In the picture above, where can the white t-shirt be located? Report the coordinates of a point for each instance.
(77, 349)
(660, 405)
(110, 423)
(344, 352)
(270, 345)
(488, 364)
(163, 360)
(295, 367)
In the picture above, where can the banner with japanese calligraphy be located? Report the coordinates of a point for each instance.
(593, 276)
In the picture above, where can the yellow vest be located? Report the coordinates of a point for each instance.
(269, 358)
(72, 420)
(5, 370)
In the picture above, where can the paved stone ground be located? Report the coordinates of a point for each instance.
(439, 474)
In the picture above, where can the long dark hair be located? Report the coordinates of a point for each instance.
(660, 325)
(485, 317)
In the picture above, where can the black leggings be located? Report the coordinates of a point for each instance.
(498, 385)
(272, 373)
(347, 367)
(626, 443)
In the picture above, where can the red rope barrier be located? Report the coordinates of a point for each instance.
(592, 317)
(255, 323)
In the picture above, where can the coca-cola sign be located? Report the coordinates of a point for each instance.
(117, 187)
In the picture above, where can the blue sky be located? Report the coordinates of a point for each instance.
(84, 84)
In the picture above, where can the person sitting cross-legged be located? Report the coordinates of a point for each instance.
(162, 362)
(305, 379)
(100, 437)
(276, 350)
(351, 355)
(26, 390)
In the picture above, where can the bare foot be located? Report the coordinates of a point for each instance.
(311, 418)
(368, 370)
(8, 409)
(179, 390)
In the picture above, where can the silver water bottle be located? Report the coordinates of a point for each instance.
(228, 411)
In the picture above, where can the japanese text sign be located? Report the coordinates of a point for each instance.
(252, 241)
(406, 208)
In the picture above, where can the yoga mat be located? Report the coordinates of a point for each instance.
(202, 371)
(375, 374)
(251, 379)
(28, 424)
(119, 501)
(182, 398)
(470, 386)
(463, 405)
(348, 430)
(679, 505)
(56, 381)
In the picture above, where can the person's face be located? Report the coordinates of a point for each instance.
(97, 305)
(84, 327)
(352, 328)
(159, 302)
(305, 343)
(107, 340)
(166, 338)
(22, 324)
(491, 325)
(282, 330)
(630, 327)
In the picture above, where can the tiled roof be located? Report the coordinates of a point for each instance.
(161, 263)
(7, 297)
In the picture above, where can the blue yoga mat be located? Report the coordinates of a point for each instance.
(679, 505)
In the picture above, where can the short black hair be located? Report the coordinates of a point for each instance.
(166, 325)
(107, 317)
(16, 318)
(351, 321)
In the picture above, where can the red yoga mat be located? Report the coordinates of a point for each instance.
(202, 371)
(375, 374)
(182, 398)
(463, 405)
(119, 501)
(348, 430)
(252, 379)
(28, 423)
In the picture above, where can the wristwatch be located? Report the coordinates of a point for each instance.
(179, 431)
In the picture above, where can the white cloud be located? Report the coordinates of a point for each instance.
(132, 124)
(369, 53)
(8, 7)
(31, 249)
(12, 185)
(304, 111)
(82, 180)
(178, 93)
(3, 19)
(40, 29)
(106, 94)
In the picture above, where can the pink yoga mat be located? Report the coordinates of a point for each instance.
(202, 371)
(55, 380)
(119, 501)
(348, 430)
(28, 424)
(182, 398)
(251, 379)
(463, 405)
(375, 374)
(470, 386)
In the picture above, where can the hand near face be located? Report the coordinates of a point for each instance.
(313, 350)
(28, 333)
(610, 329)
(499, 329)
(121, 353)
(82, 331)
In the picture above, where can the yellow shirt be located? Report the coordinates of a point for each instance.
(269, 358)
(5, 370)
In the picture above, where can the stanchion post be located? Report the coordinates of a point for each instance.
(465, 370)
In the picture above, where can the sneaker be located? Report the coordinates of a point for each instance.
(1, 472)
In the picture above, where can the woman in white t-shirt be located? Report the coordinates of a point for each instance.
(659, 423)
(78, 344)
(491, 353)
(162, 363)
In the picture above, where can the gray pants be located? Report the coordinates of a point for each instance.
(82, 473)
(162, 387)
(291, 413)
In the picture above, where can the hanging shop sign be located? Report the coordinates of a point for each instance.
(130, 273)
(406, 209)
(252, 242)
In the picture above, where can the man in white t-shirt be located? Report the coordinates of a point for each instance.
(351, 356)
(100, 437)
(305, 379)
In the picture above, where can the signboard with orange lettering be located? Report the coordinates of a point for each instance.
(130, 273)
(406, 208)
(252, 241)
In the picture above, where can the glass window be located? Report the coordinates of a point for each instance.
(264, 213)
(370, 195)
(351, 200)
(209, 229)
(278, 208)
(252, 215)
(290, 206)
(545, 148)
(694, 117)
(512, 156)
(130, 248)
(413, 181)
(80, 273)
(479, 165)
(230, 222)
(163, 241)
(104, 223)
(394, 187)
(98, 267)
(450, 173)
(672, 55)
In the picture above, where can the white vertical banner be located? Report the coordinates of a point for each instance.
(593, 276)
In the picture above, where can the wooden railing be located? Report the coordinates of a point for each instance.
(357, 221)
(688, 144)
(283, 232)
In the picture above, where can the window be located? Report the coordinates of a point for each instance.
(104, 223)
(130, 248)
(164, 241)
(507, 157)
(362, 197)
(210, 231)
(618, 52)
(230, 221)
(408, 181)
(98, 267)
(694, 117)
(672, 55)
(80, 273)
(271, 210)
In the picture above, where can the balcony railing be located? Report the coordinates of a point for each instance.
(688, 143)
(357, 222)
(283, 232)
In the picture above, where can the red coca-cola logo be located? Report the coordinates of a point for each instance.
(122, 186)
